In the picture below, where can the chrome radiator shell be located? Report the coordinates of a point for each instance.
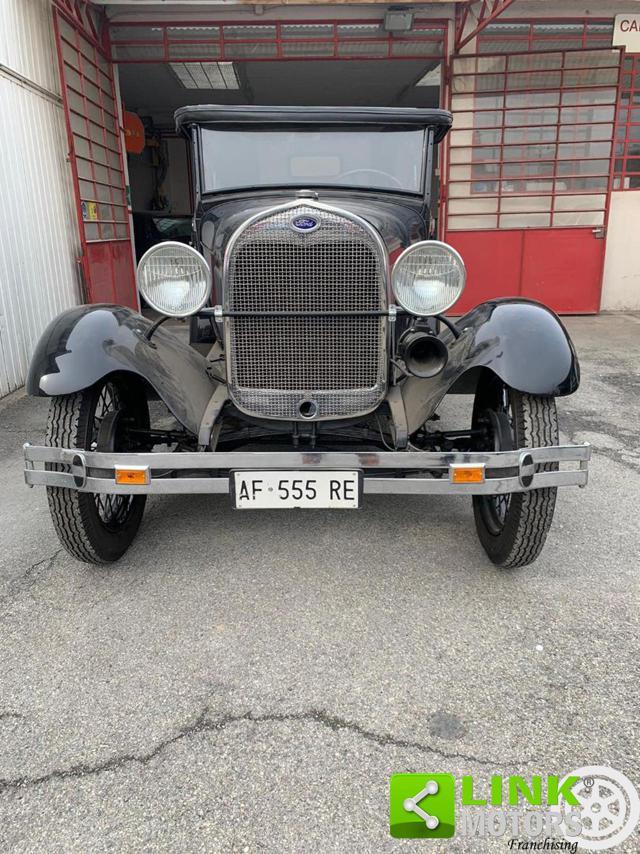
(306, 314)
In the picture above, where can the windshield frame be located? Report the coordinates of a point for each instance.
(423, 191)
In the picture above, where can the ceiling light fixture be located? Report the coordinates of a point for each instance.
(206, 75)
(398, 19)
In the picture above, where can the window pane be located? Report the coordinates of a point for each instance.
(476, 102)
(592, 58)
(460, 223)
(476, 65)
(585, 133)
(525, 220)
(384, 158)
(580, 203)
(525, 204)
(489, 119)
(460, 155)
(587, 115)
(528, 186)
(483, 155)
(483, 170)
(531, 117)
(573, 185)
(461, 173)
(528, 170)
(529, 152)
(578, 218)
(533, 99)
(583, 167)
(489, 82)
(591, 77)
(487, 137)
(578, 150)
(484, 204)
(531, 134)
(589, 96)
(463, 121)
(489, 44)
(535, 62)
(534, 79)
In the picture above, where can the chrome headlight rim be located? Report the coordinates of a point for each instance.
(182, 248)
(414, 248)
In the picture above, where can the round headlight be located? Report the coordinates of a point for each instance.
(428, 277)
(174, 279)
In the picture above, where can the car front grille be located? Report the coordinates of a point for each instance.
(326, 343)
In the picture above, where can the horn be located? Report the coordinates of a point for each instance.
(423, 354)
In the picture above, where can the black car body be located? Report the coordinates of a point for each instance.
(320, 346)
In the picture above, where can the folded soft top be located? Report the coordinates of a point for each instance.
(207, 114)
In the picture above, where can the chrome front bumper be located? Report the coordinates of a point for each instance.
(409, 472)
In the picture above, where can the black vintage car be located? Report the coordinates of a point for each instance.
(320, 349)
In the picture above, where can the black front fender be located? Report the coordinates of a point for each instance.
(85, 344)
(521, 341)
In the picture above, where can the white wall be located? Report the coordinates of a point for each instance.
(38, 227)
(621, 283)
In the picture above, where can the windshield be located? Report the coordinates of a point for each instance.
(374, 158)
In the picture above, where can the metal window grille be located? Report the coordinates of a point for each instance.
(532, 139)
(627, 144)
(93, 121)
(567, 34)
(279, 40)
(95, 148)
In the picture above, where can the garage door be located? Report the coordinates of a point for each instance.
(528, 174)
(94, 139)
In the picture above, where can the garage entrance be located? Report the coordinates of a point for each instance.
(333, 63)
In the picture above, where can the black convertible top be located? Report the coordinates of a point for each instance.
(206, 114)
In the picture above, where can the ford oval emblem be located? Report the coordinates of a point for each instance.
(304, 223)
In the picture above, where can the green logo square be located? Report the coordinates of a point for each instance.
(422, 806)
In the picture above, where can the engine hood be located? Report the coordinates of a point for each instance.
(399, 224)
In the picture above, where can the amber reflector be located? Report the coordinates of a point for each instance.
(133, 476)
(467, 474)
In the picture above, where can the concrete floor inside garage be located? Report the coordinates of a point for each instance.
(249, 682)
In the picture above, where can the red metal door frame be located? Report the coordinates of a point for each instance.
(95, 142)
(220, 47)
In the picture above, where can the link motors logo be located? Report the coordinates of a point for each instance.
(609, 807)
(593, 808)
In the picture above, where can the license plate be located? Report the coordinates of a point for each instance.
(264, 490)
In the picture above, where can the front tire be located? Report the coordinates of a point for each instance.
(513, 528)
(94, 528)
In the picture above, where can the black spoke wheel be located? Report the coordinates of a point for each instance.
(93, 527)
(513, 527)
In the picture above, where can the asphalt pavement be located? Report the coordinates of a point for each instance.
(247, 682)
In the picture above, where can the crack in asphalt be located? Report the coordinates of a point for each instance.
(204, 724)
(28, 577)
